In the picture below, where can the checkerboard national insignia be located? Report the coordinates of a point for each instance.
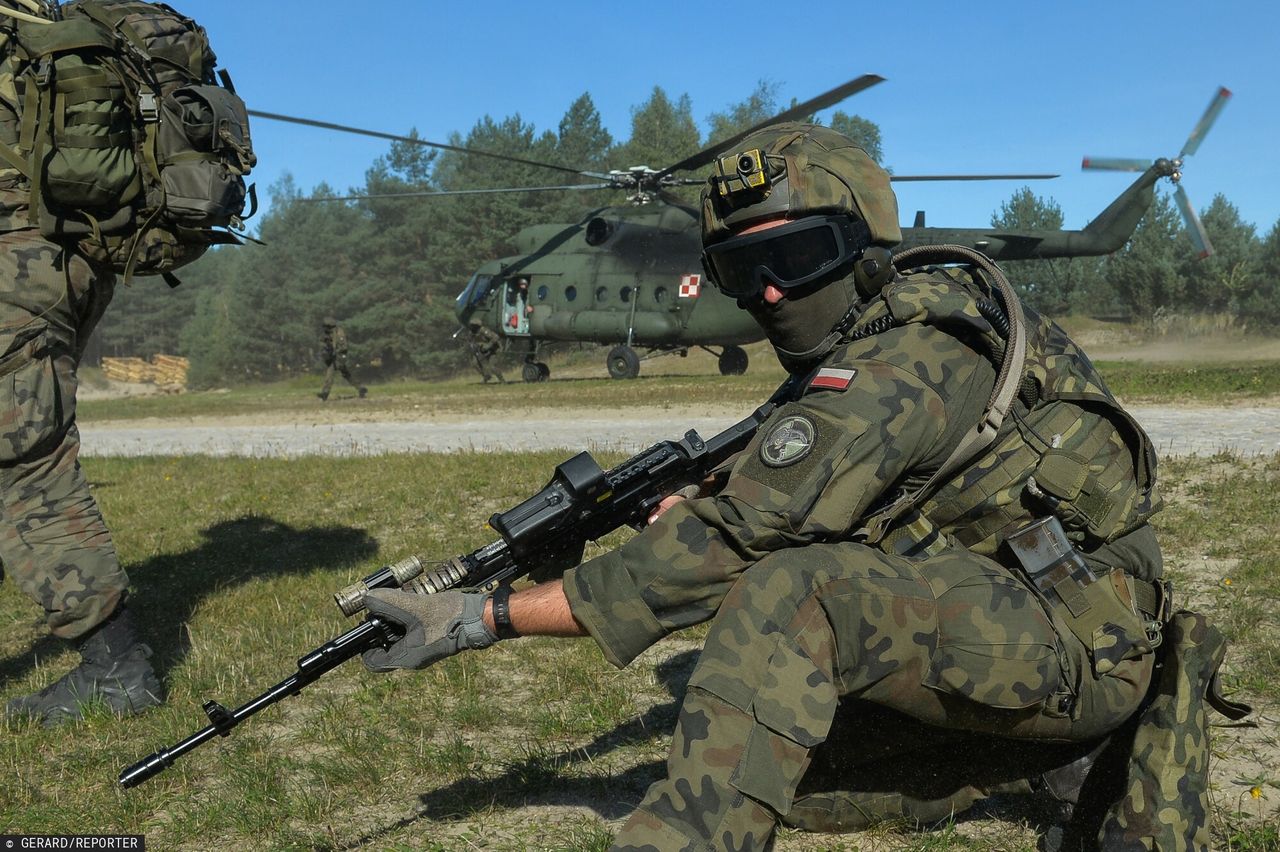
(689, 286)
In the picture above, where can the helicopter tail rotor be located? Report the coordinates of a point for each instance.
(1172, 169)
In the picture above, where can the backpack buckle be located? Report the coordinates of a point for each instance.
(148, 107)
(42, 73)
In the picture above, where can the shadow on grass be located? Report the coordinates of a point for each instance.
(539, 779)
(171, 586)
(870, 749)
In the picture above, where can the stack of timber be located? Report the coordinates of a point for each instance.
(169, 371)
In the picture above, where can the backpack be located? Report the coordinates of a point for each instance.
(129, 146)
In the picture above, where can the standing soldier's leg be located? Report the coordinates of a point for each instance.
(952, 641)
(346, 374)
(56, 546)
(328, 381)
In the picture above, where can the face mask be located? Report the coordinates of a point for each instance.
(800, 325)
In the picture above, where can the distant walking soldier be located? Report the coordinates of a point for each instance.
(333, 351)
(485, 344)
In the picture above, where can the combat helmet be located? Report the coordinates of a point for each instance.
(330, 322)
(830, 255)
(798, 170)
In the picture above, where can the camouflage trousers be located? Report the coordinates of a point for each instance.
(337, 366)
(53, 541)
(953, 644)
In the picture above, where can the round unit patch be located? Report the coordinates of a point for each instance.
(790, 441)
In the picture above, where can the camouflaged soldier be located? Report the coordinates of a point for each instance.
(53, 541)
(876, 648)
(333, 352)
(485, 345)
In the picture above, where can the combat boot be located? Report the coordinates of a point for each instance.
(1074, 825)
(114, 670)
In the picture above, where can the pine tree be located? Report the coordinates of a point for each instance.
(758, 106)
(864, 132)
(1220, 280)
(1147, 272)
(1259, 304)
(1044, 285)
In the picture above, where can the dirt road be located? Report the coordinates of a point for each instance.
(1182, 430)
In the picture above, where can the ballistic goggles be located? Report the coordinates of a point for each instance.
(789, 255)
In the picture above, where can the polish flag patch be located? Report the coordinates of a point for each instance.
(829, 378)
(689, 286)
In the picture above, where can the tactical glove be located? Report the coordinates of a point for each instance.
(436, 626)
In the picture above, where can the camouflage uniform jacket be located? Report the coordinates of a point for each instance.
(888, 410)
(334, 346)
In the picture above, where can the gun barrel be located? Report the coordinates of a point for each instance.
(370, 633)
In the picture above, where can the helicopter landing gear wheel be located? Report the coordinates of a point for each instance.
(732, 361)
(623, 363)
(534, 372)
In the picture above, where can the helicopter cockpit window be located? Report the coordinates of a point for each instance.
(570, 293)
(543, 292)
(602, 294)
(625, 294)
(476, 290)
(660, 295)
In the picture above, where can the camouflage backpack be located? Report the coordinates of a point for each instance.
(117, 128)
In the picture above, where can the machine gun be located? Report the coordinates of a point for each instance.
(544, 534)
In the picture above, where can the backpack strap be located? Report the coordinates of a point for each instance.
(1004, 392)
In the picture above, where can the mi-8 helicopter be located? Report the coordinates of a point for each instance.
(630, 275)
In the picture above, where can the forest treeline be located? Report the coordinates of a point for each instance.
(389, 268)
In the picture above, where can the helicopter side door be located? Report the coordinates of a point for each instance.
(515, 308)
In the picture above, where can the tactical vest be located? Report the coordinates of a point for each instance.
(1043, 461)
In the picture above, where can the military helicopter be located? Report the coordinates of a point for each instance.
(630, 275)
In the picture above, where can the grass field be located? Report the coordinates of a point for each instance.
(534, 744)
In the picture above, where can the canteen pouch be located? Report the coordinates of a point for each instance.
(1099, 611)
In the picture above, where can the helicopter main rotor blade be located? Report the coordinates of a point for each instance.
(429, 193)
(1206, 121)
(359, 131)
(970, 177)
(1115, 164)
(1195, 230)
(826, 99)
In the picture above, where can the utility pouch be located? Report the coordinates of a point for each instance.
(1098, 610)
(1064, 481)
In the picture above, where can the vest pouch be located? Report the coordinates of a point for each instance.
(202, 193)
(1110, 628)
(84, 126)
(203, 148)
(209, 119)
(1065, 482)
(1098, 610)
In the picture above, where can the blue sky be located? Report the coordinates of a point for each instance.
(999, 86)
